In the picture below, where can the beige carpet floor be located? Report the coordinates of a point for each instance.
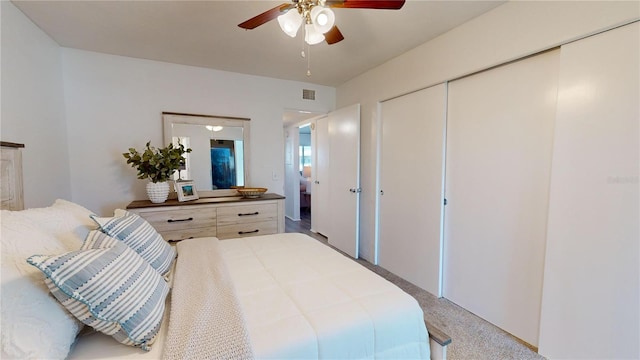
(472, 337)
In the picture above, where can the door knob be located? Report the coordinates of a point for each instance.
(317, 182)
(353, 190)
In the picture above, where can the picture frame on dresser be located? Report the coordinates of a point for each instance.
(186, 190)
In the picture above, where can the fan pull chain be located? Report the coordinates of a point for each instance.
(302, 53)
(306, 54)
(308, 60)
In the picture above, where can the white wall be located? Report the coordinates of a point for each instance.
(506, 33)
(510, 32)
(114, 102)
(33, 107)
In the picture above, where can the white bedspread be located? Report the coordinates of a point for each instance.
(302, 299)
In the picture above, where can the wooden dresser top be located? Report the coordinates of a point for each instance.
(137, 204)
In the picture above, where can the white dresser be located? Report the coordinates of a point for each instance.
(224, 218)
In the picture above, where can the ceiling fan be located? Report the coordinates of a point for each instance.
(317, 17)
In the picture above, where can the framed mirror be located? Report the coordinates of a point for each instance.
(219, 160)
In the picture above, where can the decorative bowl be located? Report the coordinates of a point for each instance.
(251, 192)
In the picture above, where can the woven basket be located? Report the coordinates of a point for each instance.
(251, 192)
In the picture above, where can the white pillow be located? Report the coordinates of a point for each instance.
(34, 324)
(68, 222)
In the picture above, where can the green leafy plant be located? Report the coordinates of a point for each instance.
(157, 164)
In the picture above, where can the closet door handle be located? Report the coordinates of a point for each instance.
(249, 214)
(179, 220)
(248, 232)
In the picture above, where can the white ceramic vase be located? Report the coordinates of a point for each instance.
(158, 192)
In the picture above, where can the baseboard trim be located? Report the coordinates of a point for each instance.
(531, 347)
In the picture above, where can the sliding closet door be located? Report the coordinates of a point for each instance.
(591, 284)
(499, 143)
(410, 201)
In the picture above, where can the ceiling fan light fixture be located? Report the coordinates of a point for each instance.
(290, 22)
(322, 18)
(311, 35)
(214, 127)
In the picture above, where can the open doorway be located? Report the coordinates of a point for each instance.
(298, 165)
(305, 165)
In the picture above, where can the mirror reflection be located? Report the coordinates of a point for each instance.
(218, 162)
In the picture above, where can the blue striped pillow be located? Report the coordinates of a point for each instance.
(112, 289)
(139, 235)
(98, 240)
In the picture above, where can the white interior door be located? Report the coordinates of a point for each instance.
(499, 143)
(320, 177)
(344, 183)
(591, 279)
(411, 186)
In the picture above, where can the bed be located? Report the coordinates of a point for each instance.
(269, 297)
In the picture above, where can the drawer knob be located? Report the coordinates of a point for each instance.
(249, 214)
(248, 232)
(179, 220)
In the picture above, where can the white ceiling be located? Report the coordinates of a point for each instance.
(205, 34)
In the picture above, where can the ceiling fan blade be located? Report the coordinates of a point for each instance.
(333, 35)
(366, 4)
(266, 16)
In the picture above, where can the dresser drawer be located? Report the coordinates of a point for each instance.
(176, 235)
(207, 217)
(184, 219)
(230, 215)
(247, 229)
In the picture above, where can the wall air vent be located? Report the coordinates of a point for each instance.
(308, 94)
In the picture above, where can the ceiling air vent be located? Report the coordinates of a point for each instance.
(308, 94)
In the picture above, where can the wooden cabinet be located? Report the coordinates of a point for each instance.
(224, 218)
(11, 176)
(247, 220)
(183, 222)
